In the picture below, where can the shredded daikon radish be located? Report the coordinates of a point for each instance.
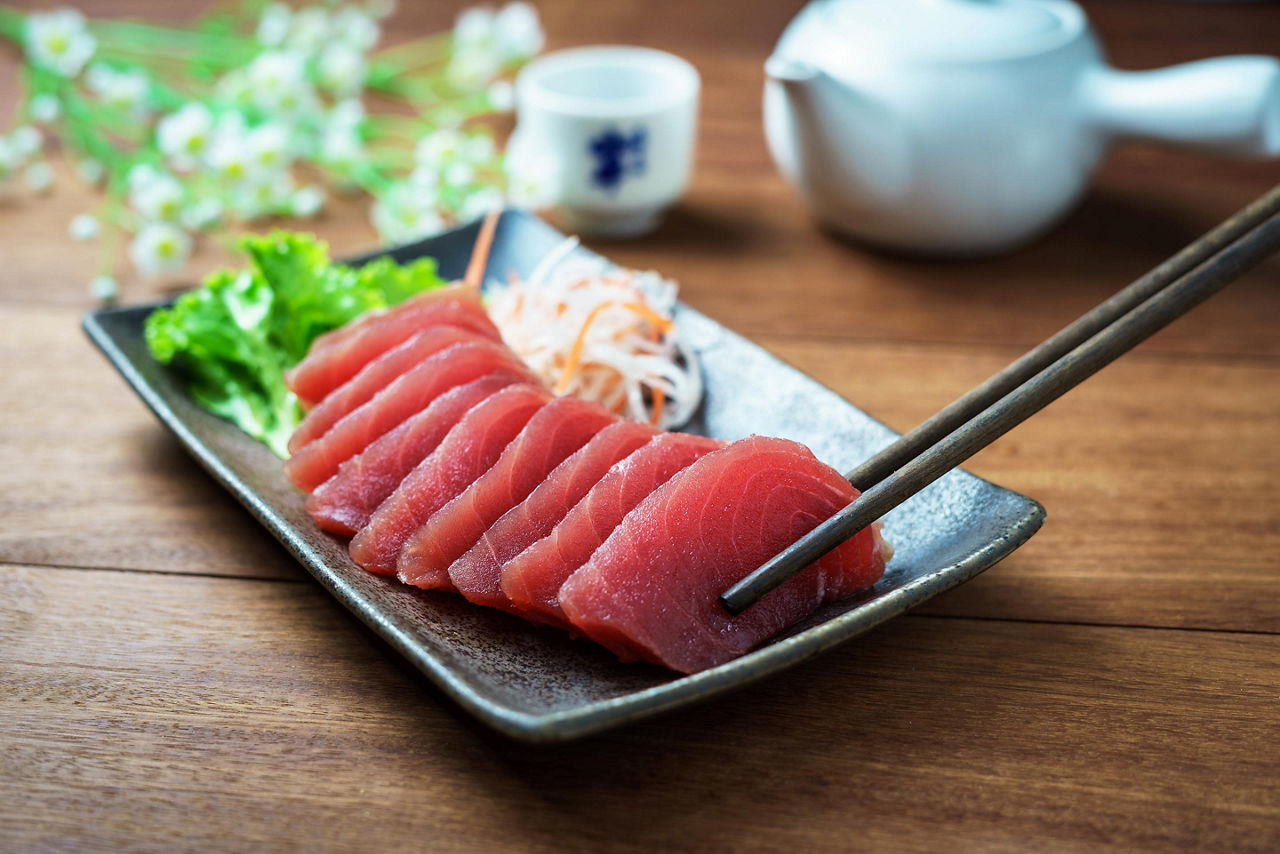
(601, 333)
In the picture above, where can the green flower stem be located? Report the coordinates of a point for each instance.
(432, 48)
(12, 24)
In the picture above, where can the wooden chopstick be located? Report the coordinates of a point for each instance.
(1065, 360)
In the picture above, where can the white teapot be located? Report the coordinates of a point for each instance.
(970, 126)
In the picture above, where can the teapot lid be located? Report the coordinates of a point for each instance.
(951, 30)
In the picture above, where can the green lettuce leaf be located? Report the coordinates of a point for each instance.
(233, 338)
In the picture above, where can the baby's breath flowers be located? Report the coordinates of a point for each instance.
(250, 115)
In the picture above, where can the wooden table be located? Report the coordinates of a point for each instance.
(170, 679)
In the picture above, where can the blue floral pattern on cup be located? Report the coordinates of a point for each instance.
(618, 155)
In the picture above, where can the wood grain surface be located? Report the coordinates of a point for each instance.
(171, 680)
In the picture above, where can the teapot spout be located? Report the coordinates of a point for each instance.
(843, 150)
(789, 71)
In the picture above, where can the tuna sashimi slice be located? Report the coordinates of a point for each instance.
(374, 377)
(653, 586)
(467, 451)
(478, 573)
(409, 394)
(344, 502)
(561, 427)
(532, 579)
(337, 356)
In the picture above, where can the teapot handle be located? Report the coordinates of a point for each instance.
(1229, 105)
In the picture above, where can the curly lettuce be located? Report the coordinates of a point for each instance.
(233, 338)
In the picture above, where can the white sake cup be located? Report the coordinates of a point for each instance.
(608, 135)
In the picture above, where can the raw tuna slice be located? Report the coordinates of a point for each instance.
(561, 427)
(339, 355)
(344, 502)
(653, 586)
(408, 395)
(467, 451)
(532, 579)
(478, 573)
(374, 377)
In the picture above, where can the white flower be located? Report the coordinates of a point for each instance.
(347, 114)
(277, 82)
(44, 108)
(440, 147)
(39, 176)
(474, 28)
(158, 197)
(518, 32)
(264, 195)
(425, 178)
(26, 140)
(501, 96)
(459, 173)
(533, 180)
(229, 154)
(473, 68)
(268, 148)
(104, 287)
(201, 215)
(403, 215)
(159, 247)
(478, 148)
(141, 173)
(91, 171)
(341, 69)
(233, 86)
(273, 25)
(59, 41)
(341, 148)
(183, 136)
(479, 203)
(83, 227)
(9, 161)
(355, 27)
(309, 29)
(120, 90)
(307, 202)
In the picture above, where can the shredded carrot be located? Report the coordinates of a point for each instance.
(480, 252)
(575, 352)
(659, 400)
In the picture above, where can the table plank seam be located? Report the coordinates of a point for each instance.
(910, 614)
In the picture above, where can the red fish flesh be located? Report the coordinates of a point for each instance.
(344, 502)
(532, 579)
(466, 452)
(409, 394)
(558, 429)
(478, 573)
(652, 587)
(373, 378)
(337, 356)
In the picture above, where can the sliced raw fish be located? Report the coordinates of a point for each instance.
(532, 579)
(467, 451)
(407, 395)
(478, 573)
(558, 429)
(344, 502)
(374, 377)
(337, 356)
(652, 587)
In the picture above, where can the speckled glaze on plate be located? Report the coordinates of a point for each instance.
(533, 683)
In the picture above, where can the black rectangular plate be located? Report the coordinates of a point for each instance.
(533, 683)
